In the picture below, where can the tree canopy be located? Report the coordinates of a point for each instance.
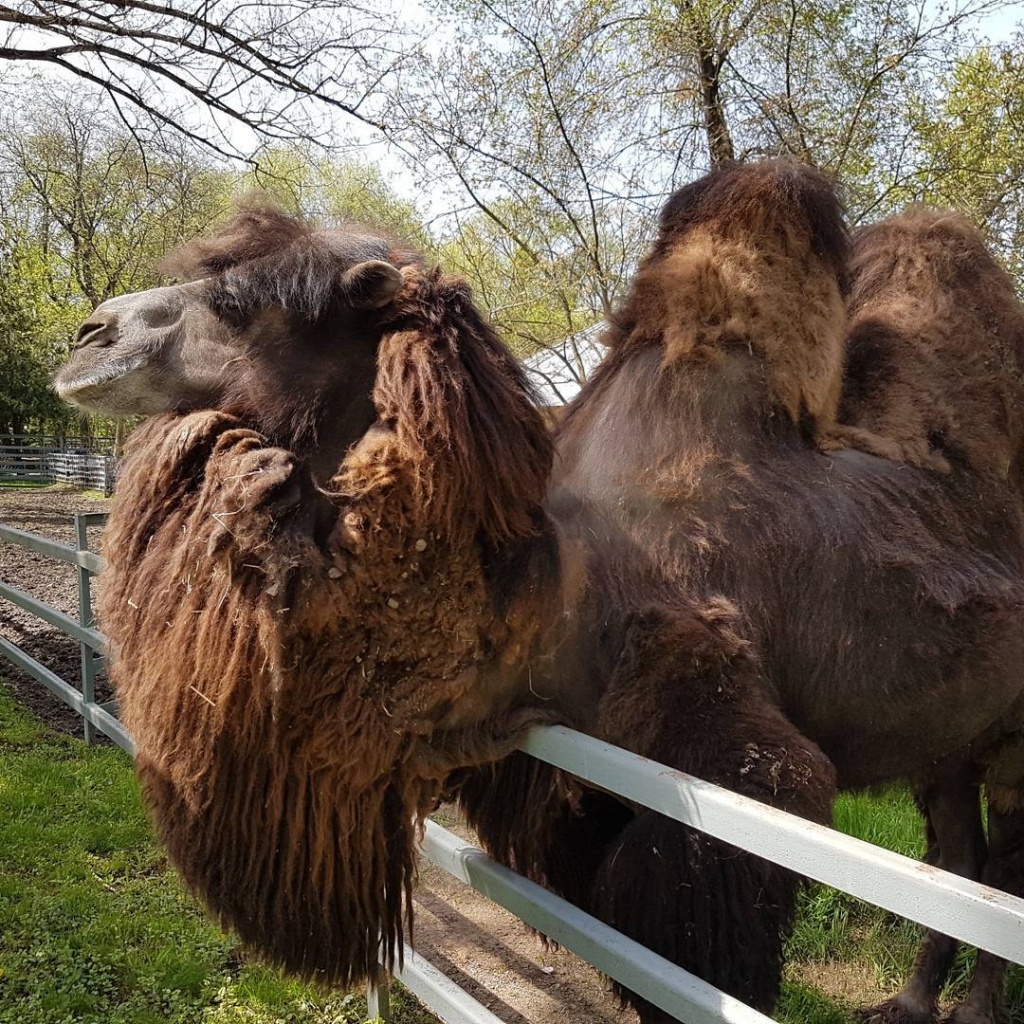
(216, 71)
(535, 140)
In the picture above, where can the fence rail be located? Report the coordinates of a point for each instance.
(20, 464)
(90, 444)
(967, 910)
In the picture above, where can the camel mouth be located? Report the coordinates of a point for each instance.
(102, 389)
(71, 381)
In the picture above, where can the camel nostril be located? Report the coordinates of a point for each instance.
(95, 332)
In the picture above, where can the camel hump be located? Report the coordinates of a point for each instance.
(935, 345)
(776, 204)
(749, 267)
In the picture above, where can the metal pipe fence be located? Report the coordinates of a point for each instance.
(967, 910)
(81, 698)
(25, 464)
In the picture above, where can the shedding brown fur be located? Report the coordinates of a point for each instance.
(286, 658)
(751, 274)
(935, 351)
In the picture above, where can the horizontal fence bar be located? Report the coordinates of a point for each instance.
(63, 622)
(975, 913)
(103, 720)
(52, 548)
(659, 980)
(57, 440)
(440, 994)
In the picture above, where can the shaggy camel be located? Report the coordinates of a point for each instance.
(696, 580)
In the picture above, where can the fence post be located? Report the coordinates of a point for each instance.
(85, 617)
(378, 999)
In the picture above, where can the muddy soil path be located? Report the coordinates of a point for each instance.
(481, 946)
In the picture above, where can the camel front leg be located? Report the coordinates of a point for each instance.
(1004, 869)
(687, 691)
(956, 842)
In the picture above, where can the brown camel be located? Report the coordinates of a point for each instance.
(701, 583)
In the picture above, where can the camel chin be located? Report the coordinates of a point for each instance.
(127, 387)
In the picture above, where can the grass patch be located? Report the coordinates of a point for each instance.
(94, 926)
(845, 953)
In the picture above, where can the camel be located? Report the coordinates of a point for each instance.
(346, 571)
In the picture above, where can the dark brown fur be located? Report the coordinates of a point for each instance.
(765, 260)
(702, 585)
(935, 321)
(287, 659)
(688, 667)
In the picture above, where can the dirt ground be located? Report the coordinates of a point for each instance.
(479, 945)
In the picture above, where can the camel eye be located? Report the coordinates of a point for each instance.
(228, 305)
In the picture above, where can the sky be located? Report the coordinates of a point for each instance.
(998, 26)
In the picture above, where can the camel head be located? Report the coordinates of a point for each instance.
(270, 308)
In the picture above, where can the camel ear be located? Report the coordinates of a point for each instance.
(372, 284)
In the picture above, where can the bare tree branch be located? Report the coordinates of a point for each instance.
(276, 69)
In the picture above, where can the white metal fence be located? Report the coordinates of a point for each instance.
(47, 465)
(967, 910)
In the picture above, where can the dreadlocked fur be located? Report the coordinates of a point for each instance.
(286, 657)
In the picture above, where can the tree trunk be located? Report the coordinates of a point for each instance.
(709, 65)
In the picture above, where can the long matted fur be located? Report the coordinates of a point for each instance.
(935, 349)
(284, 656)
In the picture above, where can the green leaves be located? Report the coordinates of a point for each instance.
(972, 145)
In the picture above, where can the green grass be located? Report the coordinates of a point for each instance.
(835, 930)
(94, 926)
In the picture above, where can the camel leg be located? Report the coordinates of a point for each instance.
(687, 692)
(1004, 869)
(715, 910)
(956, 842)
(541, 822)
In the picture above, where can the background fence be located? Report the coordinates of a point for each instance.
(967, 910)
(63, 462)
(91, 444)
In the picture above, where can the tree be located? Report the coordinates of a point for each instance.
(101, 210)
(533, 125)
(206, 68)
(555, 131)
(321, 187)
(27, 402)
(84, 214)
(971, 145)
